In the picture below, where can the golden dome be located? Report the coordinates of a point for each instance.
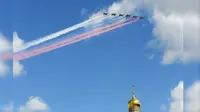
(133, 102)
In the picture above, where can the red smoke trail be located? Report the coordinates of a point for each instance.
(74, 40)
(7, 56)
(69, 39)
(49, 48)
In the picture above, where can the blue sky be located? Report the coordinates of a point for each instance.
(94, 75)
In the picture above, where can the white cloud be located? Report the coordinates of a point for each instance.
(83, 11)
(17, 42)
(18, 68)
(176, 22)
(169, 6)
(34, 104)
(5, 46)
(150, 56)
(191, 98)
(179, 26)
(177, 98)
(3, 69)
(163, 107)
(192, 103)
(180, 31)
(123, 6)
(7, 108)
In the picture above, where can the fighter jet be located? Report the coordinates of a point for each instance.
(113, 14)
(105, 13)
(128, 15)
(135, 16)
(121, 14)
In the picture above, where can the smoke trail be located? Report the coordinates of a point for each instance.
(76, 40)
(6, 56)
(59, 33)
(69, 39)
(10, 55)
(66, 43)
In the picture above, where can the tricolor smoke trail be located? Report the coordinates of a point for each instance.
(59, 33)
(72, 40)
(5, 56)
(18, 49)
(78, 36)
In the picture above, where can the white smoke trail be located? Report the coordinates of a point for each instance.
(59, 33)
(71, 40)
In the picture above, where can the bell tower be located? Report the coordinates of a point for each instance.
(134, 103)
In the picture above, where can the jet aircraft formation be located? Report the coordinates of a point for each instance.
(22, 53)
(122, 15)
